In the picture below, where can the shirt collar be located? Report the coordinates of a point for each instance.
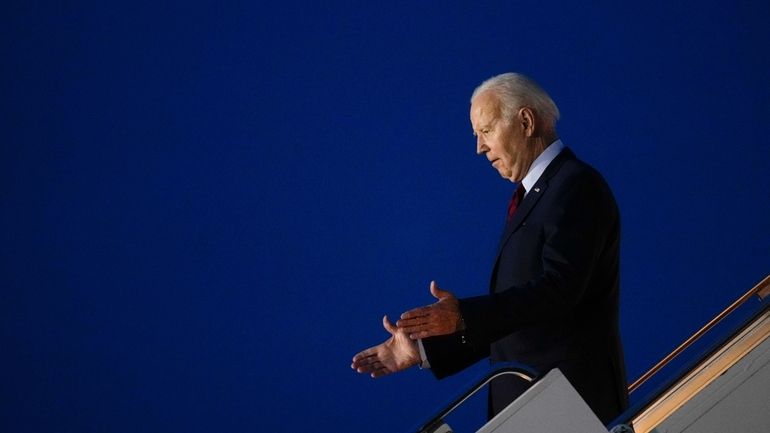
(540, 164)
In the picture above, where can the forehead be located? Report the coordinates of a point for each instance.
(485, 108)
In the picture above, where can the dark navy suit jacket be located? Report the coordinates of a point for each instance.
(553, 295)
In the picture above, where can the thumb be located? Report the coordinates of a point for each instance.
(388, 326)
(436, 292)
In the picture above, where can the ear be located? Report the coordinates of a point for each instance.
(527, 118)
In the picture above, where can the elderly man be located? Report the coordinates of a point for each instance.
(553, 293)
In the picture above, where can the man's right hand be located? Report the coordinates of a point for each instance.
(397, 353)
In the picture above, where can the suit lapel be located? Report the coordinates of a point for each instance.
(530, 200)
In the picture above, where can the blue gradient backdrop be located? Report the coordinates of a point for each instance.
(207, 207)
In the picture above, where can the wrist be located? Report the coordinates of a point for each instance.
(460, 323)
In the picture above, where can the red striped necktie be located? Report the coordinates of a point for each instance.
(515, 200)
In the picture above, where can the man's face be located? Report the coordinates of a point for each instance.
(502, 141)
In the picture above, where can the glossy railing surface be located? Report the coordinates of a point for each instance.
(436, 423)
(737, 319)
(744, 314)
(762, 290)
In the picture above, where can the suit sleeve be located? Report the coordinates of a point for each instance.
(448, 354)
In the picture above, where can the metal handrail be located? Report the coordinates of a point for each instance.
(438, 420)
(762, 289)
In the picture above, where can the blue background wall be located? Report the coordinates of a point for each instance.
(207, 207)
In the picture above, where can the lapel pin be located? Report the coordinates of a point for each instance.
(537, 189)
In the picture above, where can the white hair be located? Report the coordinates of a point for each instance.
(515, 91)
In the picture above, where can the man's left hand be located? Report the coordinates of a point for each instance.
(440, 318)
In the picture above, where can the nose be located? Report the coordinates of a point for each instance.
(481, 146)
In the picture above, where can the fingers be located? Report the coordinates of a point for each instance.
(417, 313)
(366, 360)
(440, 321)
(366, 365)
(413, 325)
(418, 330)
(434, 290)
(438, 293)
(388, 325)
(364, 357)
(410, 320)
(372, 365)
(365, 354)
(421, 334)
(369, 361)
(416, 322)
(421, 327)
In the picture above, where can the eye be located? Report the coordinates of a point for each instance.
(485, 131)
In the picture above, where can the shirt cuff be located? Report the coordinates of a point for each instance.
(423, 357)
